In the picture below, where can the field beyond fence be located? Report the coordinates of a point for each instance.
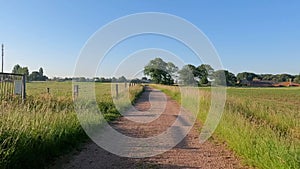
(261, 125)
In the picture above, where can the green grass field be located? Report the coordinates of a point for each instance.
(46, 125)
(261, 125)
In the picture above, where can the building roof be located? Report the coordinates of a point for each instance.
(287, 84)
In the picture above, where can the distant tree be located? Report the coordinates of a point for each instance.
(203, 72)
(246, 76)
(160, 71)
(96, 79)
(284, 77)
(200, 74)
(102, 79)
(156, 69)
(34, 76)
(171, 70)
(37, 76)
(20, 70)
(41, 72)
(82, 79)
(68, 79)
(194, 70)
(105, 80)
(114, 79)
(25, 71)
(145, 80)
(231, 79)
(122, 79)
(136, 80)
(297, 79)
(16, 69)
(186, 75)
(224, 77)
(268, 77)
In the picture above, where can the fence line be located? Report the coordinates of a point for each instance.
(12, 85)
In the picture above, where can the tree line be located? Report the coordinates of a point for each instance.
(168, 73)
(121, 79)
(162, 72)
(33, 76)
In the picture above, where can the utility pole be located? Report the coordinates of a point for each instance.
(2, 56)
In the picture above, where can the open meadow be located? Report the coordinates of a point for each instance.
(261, 125)
(46, 124)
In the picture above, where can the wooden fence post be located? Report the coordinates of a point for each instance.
(75, 91)
(24, 87)
(117, 90)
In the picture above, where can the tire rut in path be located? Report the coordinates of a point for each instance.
(189, 153)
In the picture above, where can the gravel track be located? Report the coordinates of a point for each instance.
(189, 153)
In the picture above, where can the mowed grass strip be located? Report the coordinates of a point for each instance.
(261, 125)
(46, 125)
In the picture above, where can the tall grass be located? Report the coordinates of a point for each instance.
(46, 125)
(262, 126)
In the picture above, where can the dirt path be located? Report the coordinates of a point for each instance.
(187, 154)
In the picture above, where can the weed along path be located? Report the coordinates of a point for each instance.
(189, 153)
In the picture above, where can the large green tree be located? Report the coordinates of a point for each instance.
(297, 79)
(193, 69)
(284, 77)
(246, 76)
(190, 74)
(268, 77)
(160, 71)
(122, 79)
(38, 75)
(277, 77)
(187, 76)
(204, 71)
(224, 77)
(20, 70)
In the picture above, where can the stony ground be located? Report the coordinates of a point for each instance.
(189, 153)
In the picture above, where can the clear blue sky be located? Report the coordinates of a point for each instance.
(259, 36)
